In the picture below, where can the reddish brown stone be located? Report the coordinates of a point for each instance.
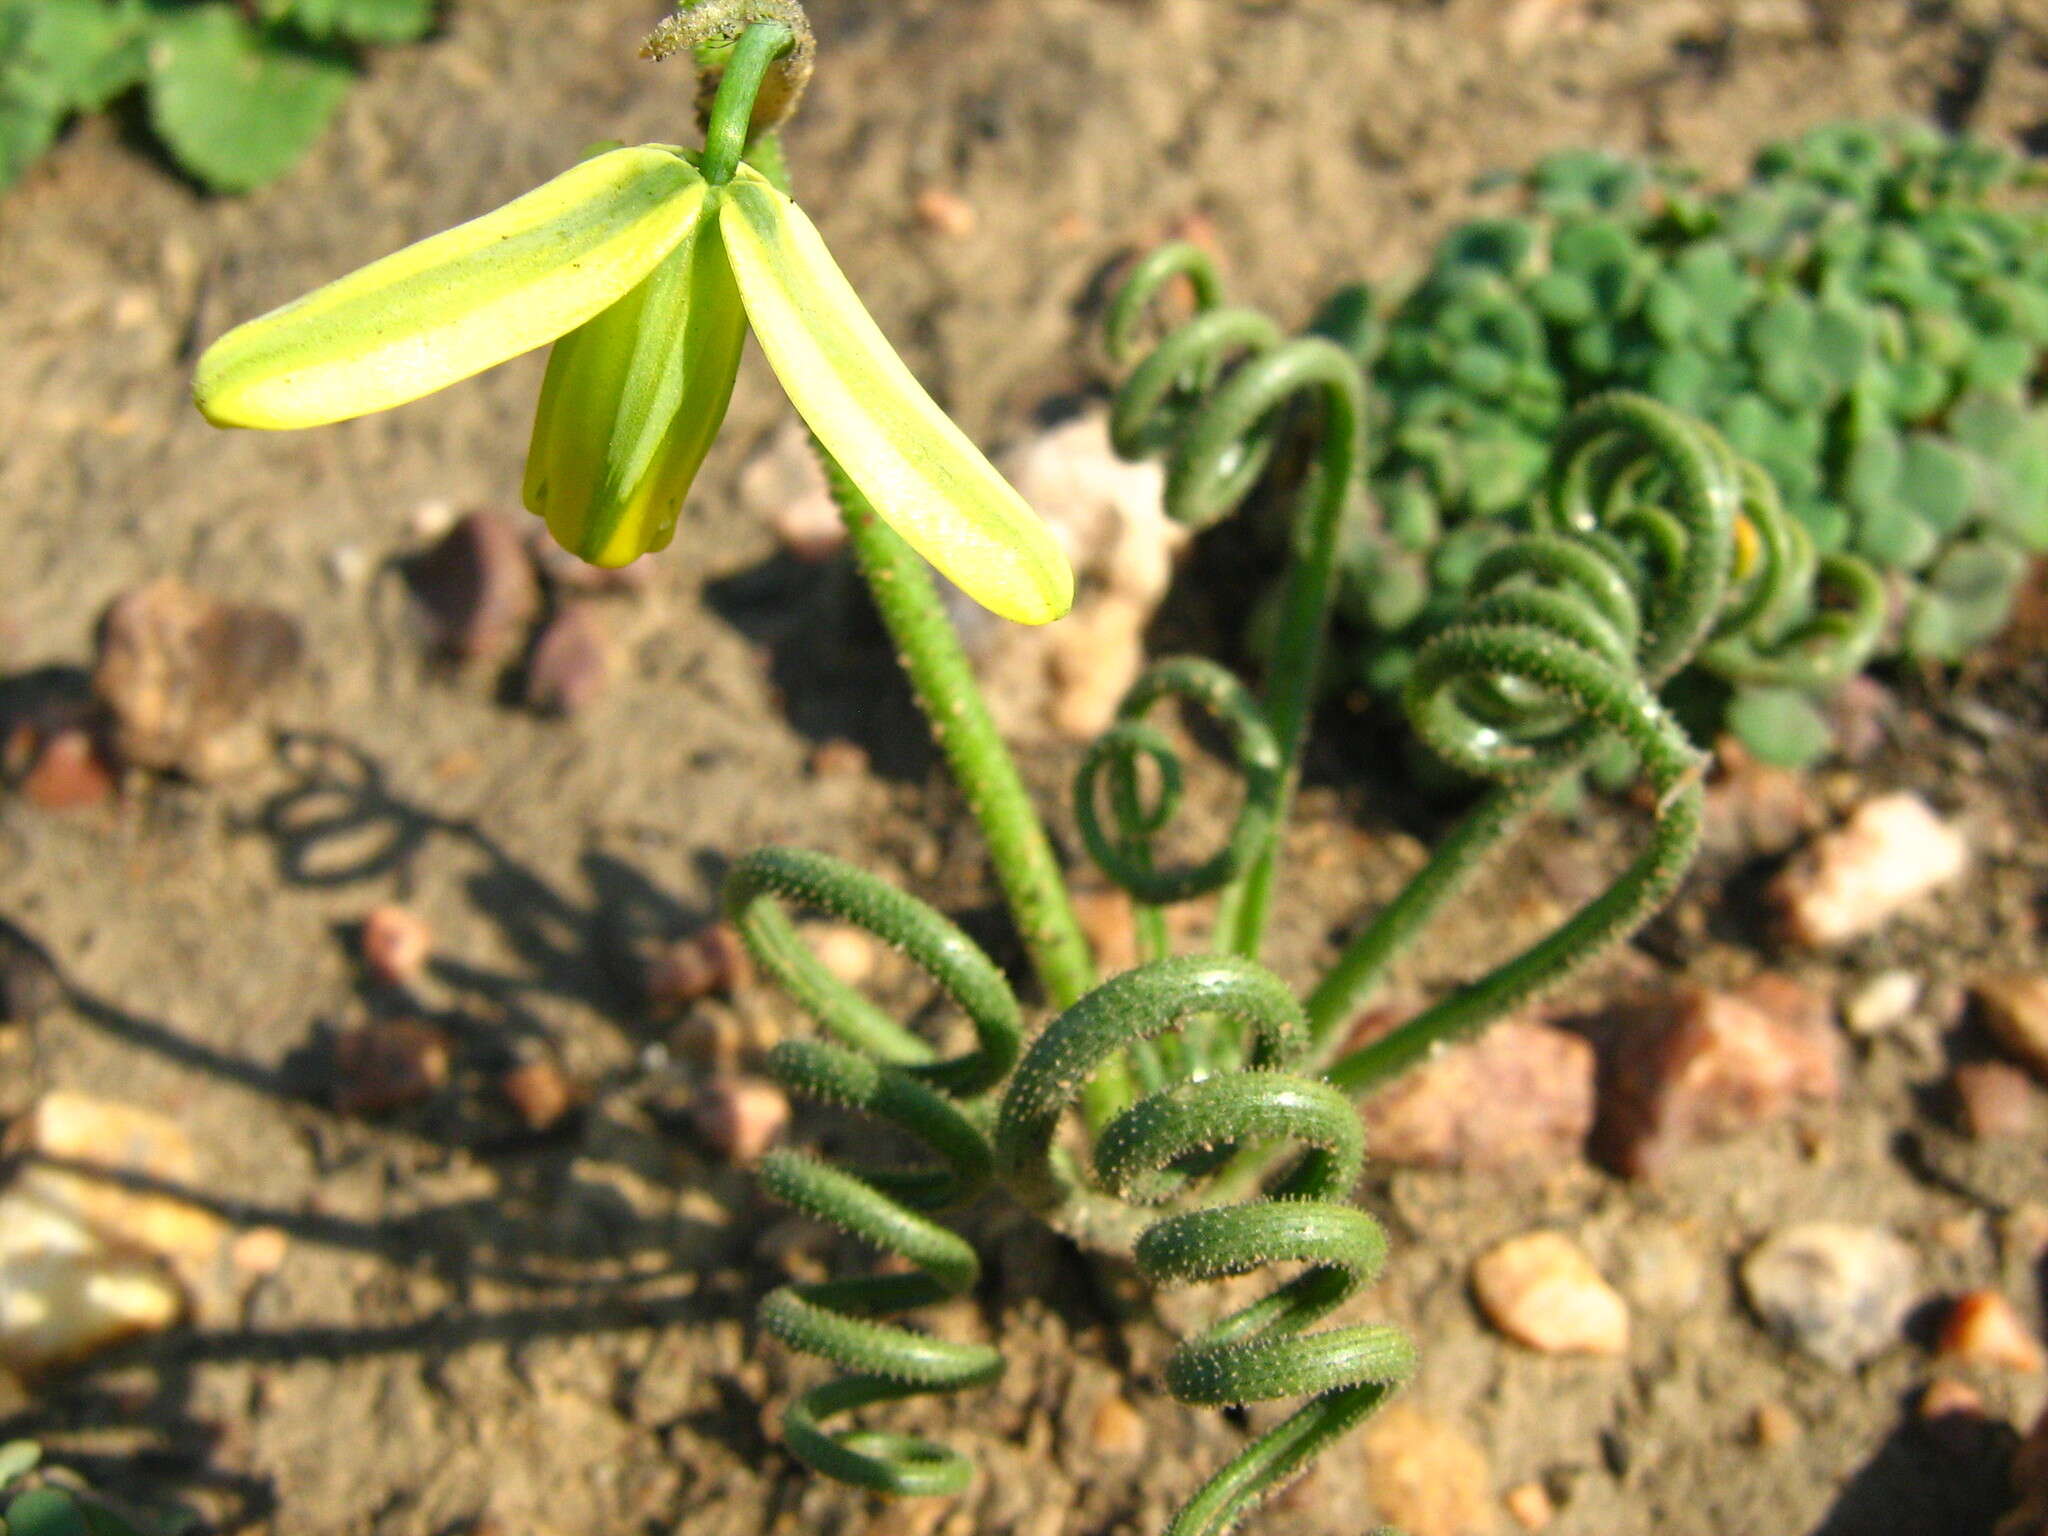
(838, 758)
(740, 1118)
(1521, 1093)
(181, 676)
(476, 588)
(1753, 809)
(396, 944)
(67, 773)
(946, 213)
(540, 1093)
(1694, 1066)
(571, 662)
(709, 963)
(1994, 1100)
(389, 1065)
(1983, 1328)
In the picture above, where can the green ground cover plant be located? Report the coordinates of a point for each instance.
(235, 91)
(37, 1499)
(1863, 318)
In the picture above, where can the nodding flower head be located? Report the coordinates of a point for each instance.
(646, 267)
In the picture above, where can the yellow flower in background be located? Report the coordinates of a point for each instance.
(646, 278)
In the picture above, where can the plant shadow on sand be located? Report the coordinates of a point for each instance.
(581, 1258)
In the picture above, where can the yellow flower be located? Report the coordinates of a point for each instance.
(647, 279)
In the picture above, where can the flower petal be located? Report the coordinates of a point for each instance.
(926, 480)
(632, 399)
(458, 302)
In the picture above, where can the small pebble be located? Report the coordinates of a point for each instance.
(1531, 1506)
(57, 1309)
(2015, 1010)
(476, 588)
(1520, 1094)
(1773, 1425)
(1983, 1328)
(712, 962)
(183, 676)
(388, 1065)
(1859, 716)
(68, 773)
(260, 1251)
(1755, 810)
(1064, 680)
(539, 1092)
(1693, 1066)
(1661, 1269)
(1890, 853)
(740, 1118)
(847, 952)
(946, 213)
(1837, 1292)
(1945, 1397)
(1882, 1003)
(711, 1037)
(1425, 1476)
(838, 758)
(396, 944)
(1541, 1290)
(571, 662)
(30, 985)
(1996, 1101)
(1116, 1428)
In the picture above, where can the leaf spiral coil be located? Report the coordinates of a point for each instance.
(1263, 1351)
(884, 1071)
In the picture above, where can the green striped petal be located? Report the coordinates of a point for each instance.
(632, 399)
(458, 302)
(926, 480)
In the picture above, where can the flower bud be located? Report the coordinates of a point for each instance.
(631, 401)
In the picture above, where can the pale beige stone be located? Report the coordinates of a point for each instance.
(1541, 1290)
(1892, 852)
(110, 1167)
(1427, 1477)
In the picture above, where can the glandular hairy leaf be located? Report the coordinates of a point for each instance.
(458, 302)
(632, 399)
(925, 479)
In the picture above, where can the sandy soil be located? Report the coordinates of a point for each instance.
(476, 1332)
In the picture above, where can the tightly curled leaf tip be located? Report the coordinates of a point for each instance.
(708, 27)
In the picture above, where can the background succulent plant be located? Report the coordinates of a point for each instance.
(1863, 318)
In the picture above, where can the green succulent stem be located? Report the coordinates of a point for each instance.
(981, 765)
(1322, 369)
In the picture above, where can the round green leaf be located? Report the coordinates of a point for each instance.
(237, 105)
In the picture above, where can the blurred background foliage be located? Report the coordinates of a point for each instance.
(234, 89)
